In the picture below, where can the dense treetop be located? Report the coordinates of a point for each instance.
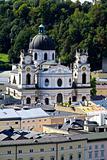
(72, 25)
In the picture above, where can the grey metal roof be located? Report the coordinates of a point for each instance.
(42, 42)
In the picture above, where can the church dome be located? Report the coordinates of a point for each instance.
(42, 41)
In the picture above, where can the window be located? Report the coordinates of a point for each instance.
(62, 157)
(41, 150)
(45, 56)
(8, 152)
(28, 100)
(83, 98)
(62, 148)
(59, 82)
(31, 150)
(96, 154)
(90, 147)
(35, 56)
(102, 146)
(96, 146)
(102, 153)
(79, 146)
(16, 122)
(53, 56)
(14, 93)
(83, 78)
(70, 81)
(31, 158)
(19, 78)
(47, 101)
(79, 156)
(46, 82)
(52, 158)
(74, 98)
(28, 79)
(52, 149)
(69, 100)
(20, 151)
(41, 158)
(90, 155)
(70, 147)
(70, 157)
(59, 98)
(14, 80)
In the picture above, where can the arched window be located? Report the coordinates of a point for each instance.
(59, 98)
(28, 79)
(14, 80)
(52, 56)
(47, 101)
(36, 56)
(19, 78)
(70, 81)
(46, 82)
(74, 98)
(70, 100)
(45, 56)
(83, 78)
(59, 82)
(83, 98)
(28, 100)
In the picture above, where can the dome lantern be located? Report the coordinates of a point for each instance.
(41, 29)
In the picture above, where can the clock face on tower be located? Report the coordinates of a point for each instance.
(27, 59)
(83, 59)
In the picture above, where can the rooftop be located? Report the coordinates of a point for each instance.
(22, 113)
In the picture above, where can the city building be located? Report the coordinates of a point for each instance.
(39, 77)
(28, 145)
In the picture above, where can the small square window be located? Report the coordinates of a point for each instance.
(79, 146)
(31, 150)
(62, 148)
(41, 150)
(16, 122)
(90, 147)
(70, 147)
(20, 151)
(8, 152)
(52, 158)
(102, 146)
(52, 149)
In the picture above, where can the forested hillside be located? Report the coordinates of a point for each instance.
(72, 25)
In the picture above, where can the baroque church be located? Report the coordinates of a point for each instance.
(38, 77)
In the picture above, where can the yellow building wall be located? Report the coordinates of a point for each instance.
(10, 123)
(45, 151)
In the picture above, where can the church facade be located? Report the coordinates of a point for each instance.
(38, 77)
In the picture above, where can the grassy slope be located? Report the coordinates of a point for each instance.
(4, 57)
